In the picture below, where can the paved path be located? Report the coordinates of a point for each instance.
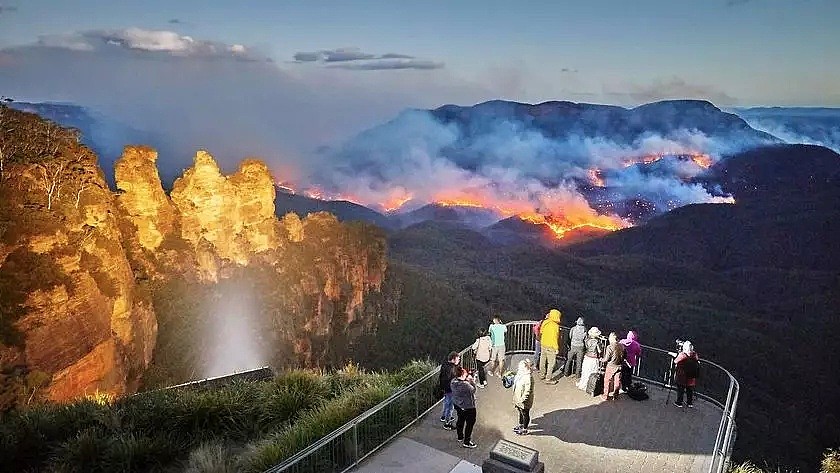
(573, 432)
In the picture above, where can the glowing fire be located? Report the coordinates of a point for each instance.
(565, 216)
(286, 187)
(396, 203)
(596, 178)
(701, 159)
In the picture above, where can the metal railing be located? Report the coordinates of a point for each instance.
(349, 445)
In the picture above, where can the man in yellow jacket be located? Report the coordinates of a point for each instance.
(550, 344)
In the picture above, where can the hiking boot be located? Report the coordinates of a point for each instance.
(678, 404)
(469, 444)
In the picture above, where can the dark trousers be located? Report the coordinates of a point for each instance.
(689, 393)
(574, 362)
(482, 371)
(626, 377)
(466, 421)
(524, 416)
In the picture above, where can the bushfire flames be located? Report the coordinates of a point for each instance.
(701, 159)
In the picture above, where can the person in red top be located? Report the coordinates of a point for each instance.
(687, 369)
(537, 348)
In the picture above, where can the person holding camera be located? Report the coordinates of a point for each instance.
(686, 372)
(463, 396)
(447, 373)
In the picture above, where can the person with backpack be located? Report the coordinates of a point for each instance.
(447, 373)
(632, 350)
(577, 342)
(497, 352)
(590, 357)
(686, 372)
(550, 345)
(614, 358)
(463, 397)
(481, 347)
(523, 395)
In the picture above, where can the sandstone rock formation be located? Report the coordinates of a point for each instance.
(69, 304)
(235, 214)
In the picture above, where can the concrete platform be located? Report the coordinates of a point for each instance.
(573, 432)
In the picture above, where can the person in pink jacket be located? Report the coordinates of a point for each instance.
(632, 353)
(481, 347)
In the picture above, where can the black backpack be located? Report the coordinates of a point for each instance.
(691, 368)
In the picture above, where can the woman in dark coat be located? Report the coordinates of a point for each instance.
(687, 368)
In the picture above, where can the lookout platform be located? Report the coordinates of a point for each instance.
(573, 431)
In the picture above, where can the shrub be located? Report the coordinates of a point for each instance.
(211, 458)
(831, 462)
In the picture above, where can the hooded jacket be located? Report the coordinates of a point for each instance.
(578, 334)
(632, 349)
(550, 331)
(523, 388)
(463, 393)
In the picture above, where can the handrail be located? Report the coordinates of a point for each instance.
(339, 453)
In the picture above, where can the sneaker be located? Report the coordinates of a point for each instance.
(481, 386)
(469, 444)
(459, 440)
(452, 419)
(551, 381)
(443, 419)
(489, 374)
(522, 432)
(448, 426)
(678, 404)
(691, 405)
(518, 427)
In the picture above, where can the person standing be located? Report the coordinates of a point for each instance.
(463, 396)
(591, 357)
(497, 351)
(447, 373)
(550, 345)
(632, 351)
(577, 341)
(482, 347)
(614, 358)
(686, 371)
(523, 395)
(536, 331)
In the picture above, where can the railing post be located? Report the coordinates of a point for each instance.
(416, 402)
(356, 443)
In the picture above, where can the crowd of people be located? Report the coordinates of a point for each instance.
(587, 357)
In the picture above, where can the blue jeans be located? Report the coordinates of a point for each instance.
(447, 406)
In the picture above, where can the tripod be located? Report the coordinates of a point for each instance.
(668, 379)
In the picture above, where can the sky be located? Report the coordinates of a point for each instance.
(281, 78)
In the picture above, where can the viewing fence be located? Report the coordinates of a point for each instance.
(349, 445)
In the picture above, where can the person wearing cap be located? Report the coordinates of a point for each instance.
(590, 358)
(577, 349)
(523, 395)
(550, 345)
(687, 366)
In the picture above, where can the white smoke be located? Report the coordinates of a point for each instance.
(230, 336)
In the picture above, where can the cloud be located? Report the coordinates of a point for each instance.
(388, 64)
(7, 9)
(153, 42)
(665, 89)
(189, 97)
(356, 60)
(175, 21)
